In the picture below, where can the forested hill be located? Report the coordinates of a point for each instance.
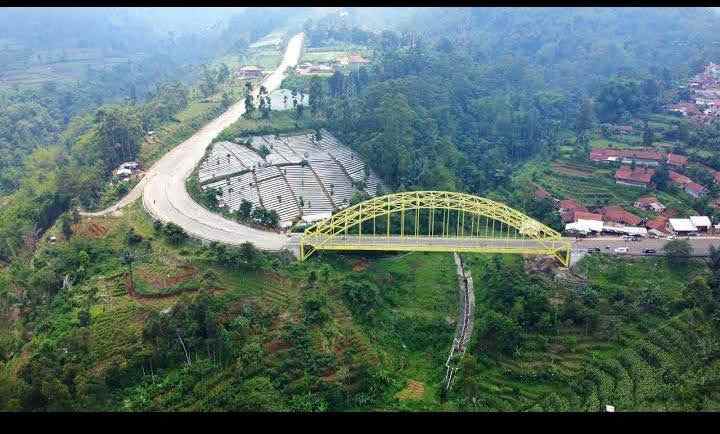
(58, 63)
(456, 97)
(580, 46)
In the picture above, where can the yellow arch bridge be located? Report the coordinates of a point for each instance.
(434, 221)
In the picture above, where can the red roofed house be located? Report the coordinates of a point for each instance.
(685, 109)
(695, 190)
(604, 155)
(679, 179)
(677, 160)
(649, 203)
(640, 177)
(583, 215)
(568, 207)
(716, 176)
(618, 215)
(644, 156)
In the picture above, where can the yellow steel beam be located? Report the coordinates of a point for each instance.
(324, 232)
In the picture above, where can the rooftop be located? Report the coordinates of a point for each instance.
(695, 187)
(700, 221)
(639, 174)
(659, 223)
(678, 178)
(647, 200)
(677, 160)
(570, 204)
(682, 225)
(618, 215)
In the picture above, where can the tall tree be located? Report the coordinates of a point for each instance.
(585, 116)
(648, 135)
(315, 96)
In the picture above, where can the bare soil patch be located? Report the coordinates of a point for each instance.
(159, 281)
(90, 229)
(360, 265)
(414, 391)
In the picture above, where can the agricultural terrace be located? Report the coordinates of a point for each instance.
(594, 186)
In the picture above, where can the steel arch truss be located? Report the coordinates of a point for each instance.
(350, 229)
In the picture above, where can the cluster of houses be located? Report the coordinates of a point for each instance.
(637, 168)
(352, 59)
(618, 221)
(704, 103)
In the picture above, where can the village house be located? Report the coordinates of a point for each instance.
(567, 208)
(315, 69)
(685, 109)
(126, 170)
(682, 226)
(616, 214)
(658, 225)
(352, 59)
(701, 222)
(249, 72)
(641, 156)
(638, 177)
(679, 179)
(677, 160)
(649, 203)
(695, 190)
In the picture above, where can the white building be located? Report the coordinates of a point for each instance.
(584, 226)
(701, 222)
(627, 230)
(312, 218)
(682, 226)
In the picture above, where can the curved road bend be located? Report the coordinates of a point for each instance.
(163, 187)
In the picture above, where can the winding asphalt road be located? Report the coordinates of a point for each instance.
(163, 187)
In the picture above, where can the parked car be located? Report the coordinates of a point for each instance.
(649, 251)
(594, 250)
(621, 250)
(671, 237)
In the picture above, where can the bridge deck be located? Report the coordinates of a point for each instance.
(427, 243)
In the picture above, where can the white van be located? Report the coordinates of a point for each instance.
(621, 250)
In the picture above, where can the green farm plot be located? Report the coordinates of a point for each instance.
(640, 365)
(618, 141)
(604, 143)
(321, 56)
(415, 329)
(591, 191)
(263, 59)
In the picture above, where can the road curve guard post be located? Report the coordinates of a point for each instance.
(434, 221)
